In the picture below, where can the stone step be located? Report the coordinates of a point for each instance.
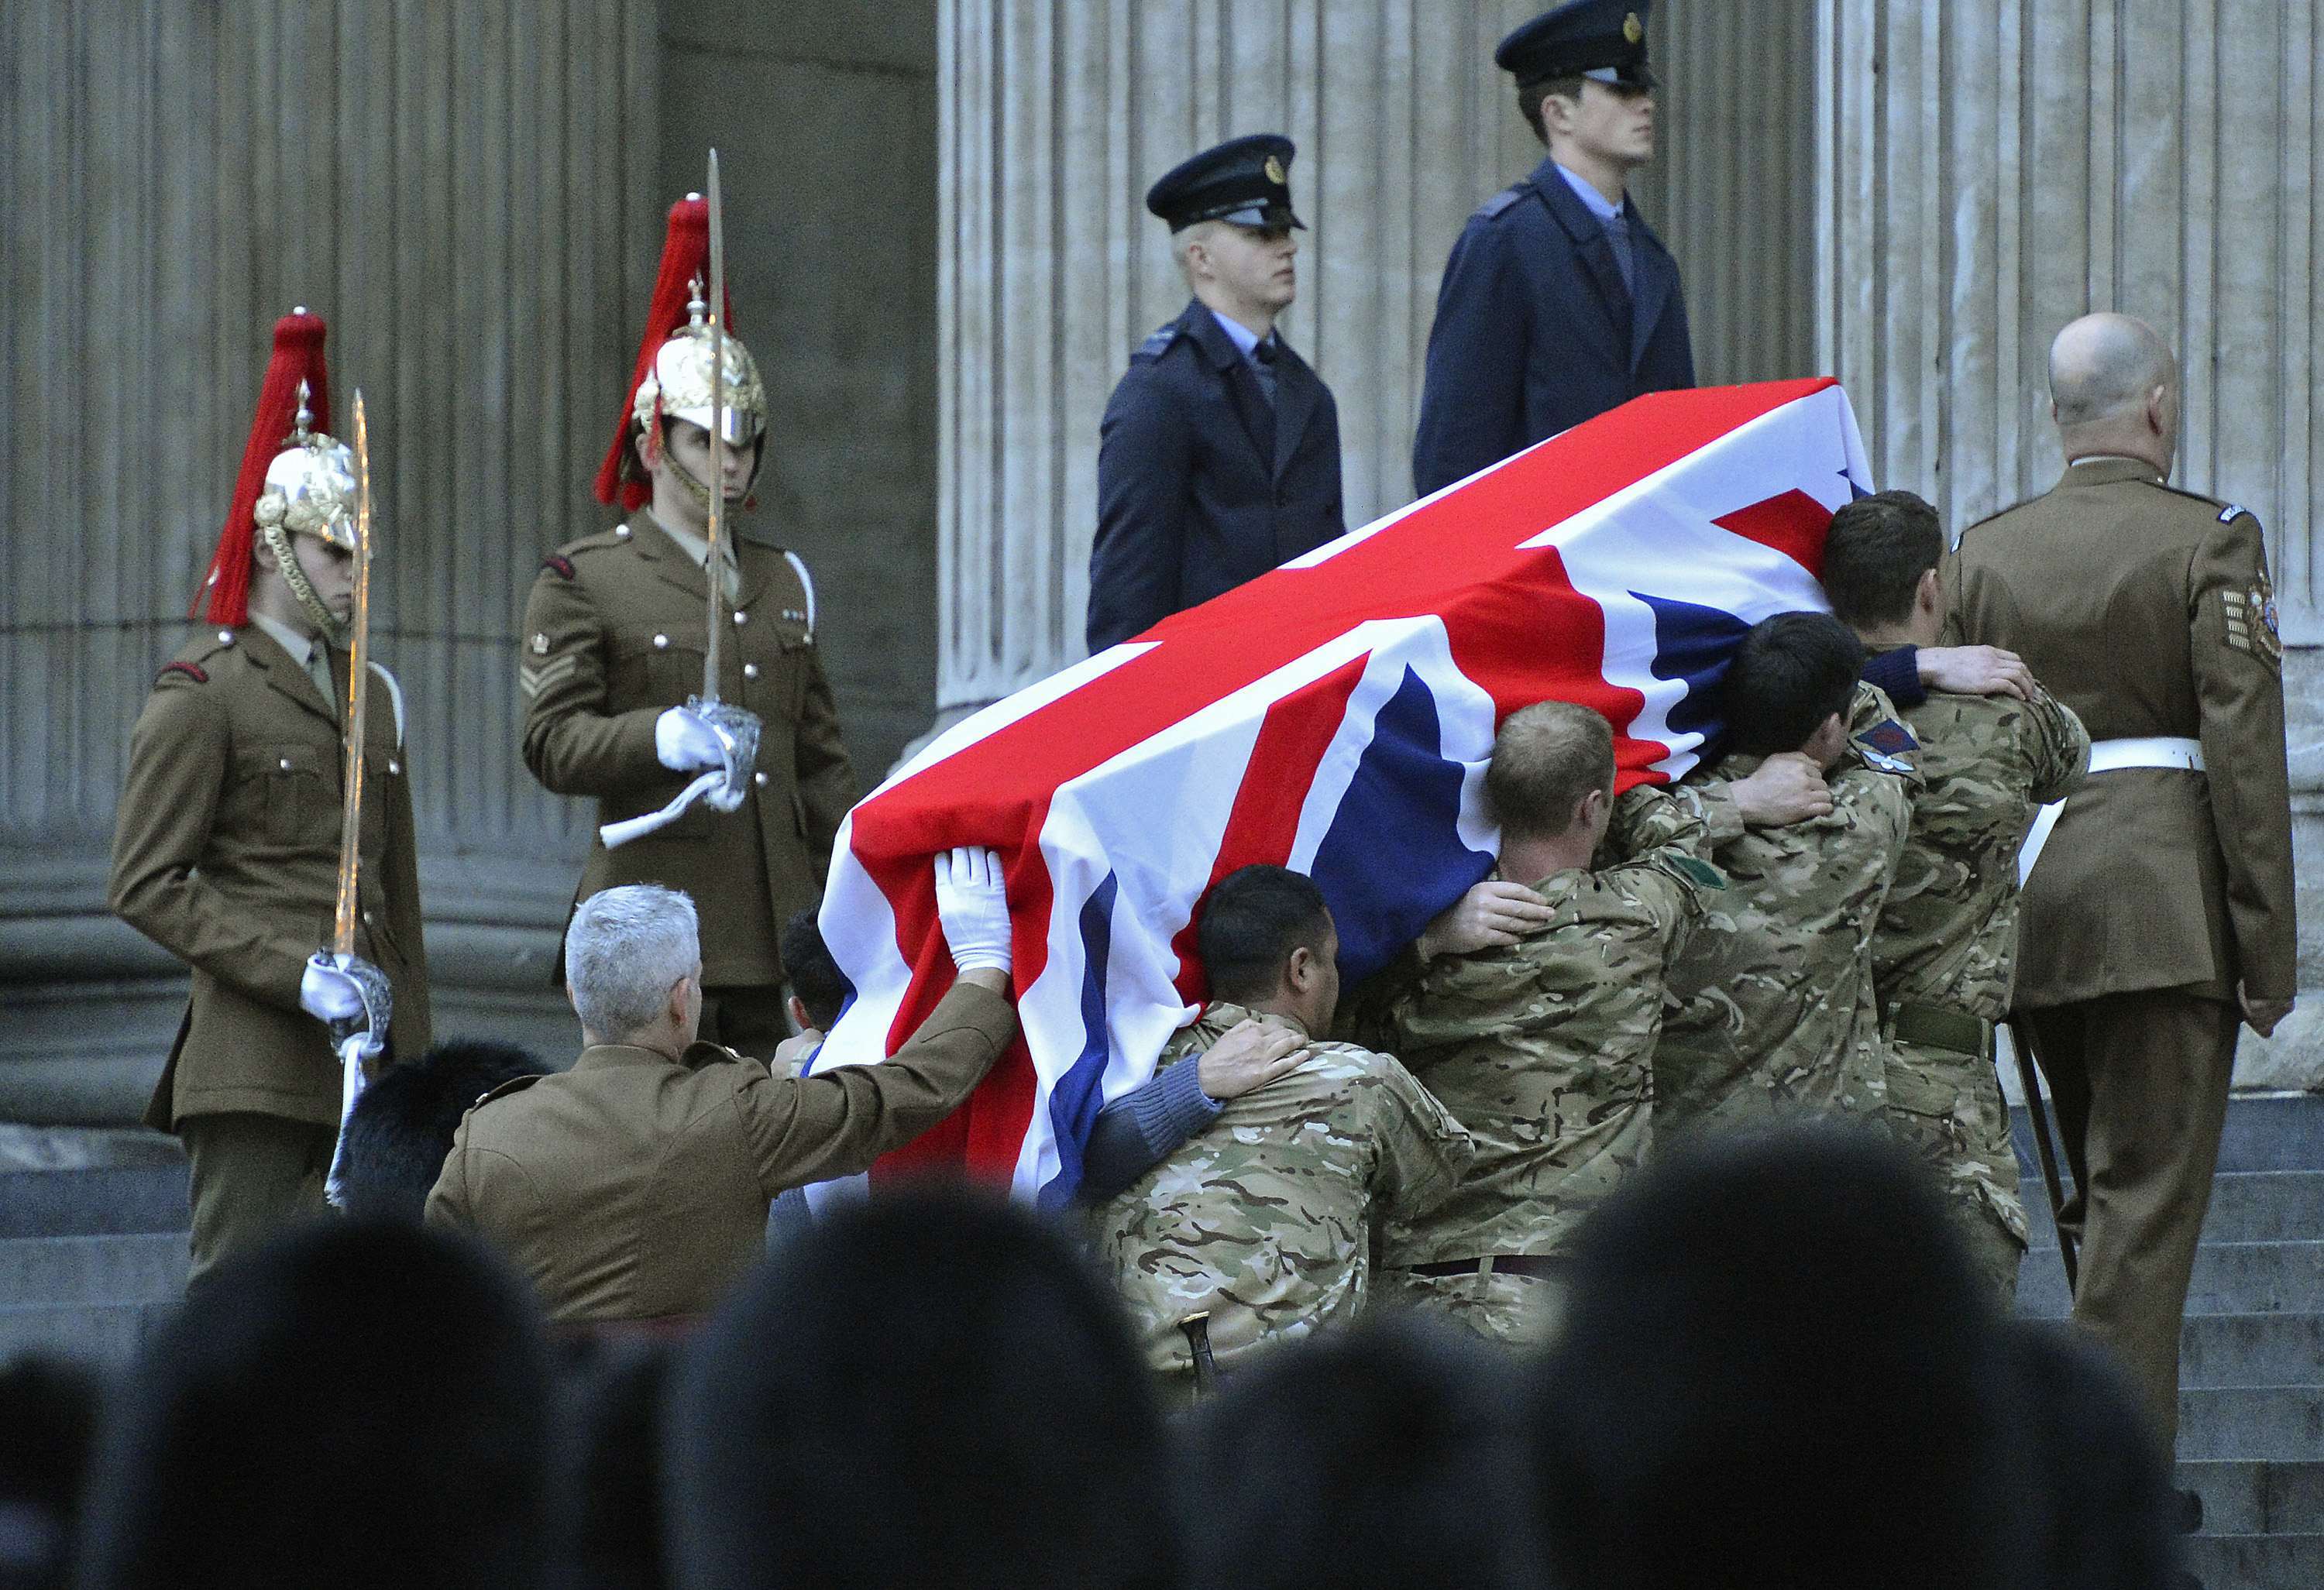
(2243, 1498)
(98, 1332)
(2246, 1205)
(2252, 1350)
(124, 1267)
(2275, 1133)
(2257, 1562)
(2229, 1278)
(93, 1200)
(2252, 1424)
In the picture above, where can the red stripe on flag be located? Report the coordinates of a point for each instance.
(1790, 522)
(1265, 818)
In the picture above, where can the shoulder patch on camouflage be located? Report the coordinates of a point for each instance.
(1698, 872)
(193, 671)
(1157, 342)
(1501, 201)
(557, 563)
(1887, 746)
(513, 1085)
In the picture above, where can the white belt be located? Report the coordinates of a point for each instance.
(2109, 756)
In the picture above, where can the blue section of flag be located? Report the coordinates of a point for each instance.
(1695, 644)
(1393, 857)
(1076, 1099)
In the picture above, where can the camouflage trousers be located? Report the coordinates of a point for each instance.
(1947, 1108)
(1515, 1310)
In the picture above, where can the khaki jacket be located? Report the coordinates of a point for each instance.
(2147, 611)
(636, 1186)
(612, 635)
(226, 853)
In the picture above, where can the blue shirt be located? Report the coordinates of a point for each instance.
(1588, 193)
(1243, 337)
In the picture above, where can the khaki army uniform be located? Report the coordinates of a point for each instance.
(1779, 1014)
(1544, 1051)
(2148, 612)
(1946, 950)
(226, 853)
(614, 634)
(635, 1187)
(1267, 1217)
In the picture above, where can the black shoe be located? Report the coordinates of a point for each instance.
(2189, 1518)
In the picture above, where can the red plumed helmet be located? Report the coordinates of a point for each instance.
(685, 258)
(298, 356)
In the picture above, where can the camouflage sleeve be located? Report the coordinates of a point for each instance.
(2057, 745)
(1424, 1152)
(2238, 676)
(1651, 818)
(572, 744)
(1712, 803)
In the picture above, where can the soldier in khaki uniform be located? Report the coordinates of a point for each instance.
(227, 850)
(1780, 1015)
(1266, 1220)
(635, 1186)
(2159, 912)
(614, 642)
(1946, 949)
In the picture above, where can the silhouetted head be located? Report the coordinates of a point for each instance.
(400, 1130)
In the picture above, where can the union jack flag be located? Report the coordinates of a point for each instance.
(1336, 717)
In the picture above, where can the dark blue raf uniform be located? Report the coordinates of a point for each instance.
(1541, 323)
(1213, 466)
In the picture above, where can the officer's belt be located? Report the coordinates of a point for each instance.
(2109, 756)
(1541, 1266)
(1937, 1026)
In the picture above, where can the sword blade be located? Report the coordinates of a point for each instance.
(713, 567)
(343, 916)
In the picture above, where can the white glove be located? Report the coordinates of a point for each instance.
(686, 744)
(973, 906)
(328, 994)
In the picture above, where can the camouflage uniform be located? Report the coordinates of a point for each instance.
(1265, 1217)
(1779, 1014)
(1946, 949)
(1544, 1051)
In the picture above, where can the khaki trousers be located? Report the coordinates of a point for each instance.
(747, 1018)
(252, 1175)
(2139, 1086)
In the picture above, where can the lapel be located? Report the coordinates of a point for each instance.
(750, 581)
(1655, 279)
(1203, 329)
(283, 674)
(669, 563)
(1295, 390)
(1588, 235)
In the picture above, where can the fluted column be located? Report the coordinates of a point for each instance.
(1989, 170)
(1056, 114)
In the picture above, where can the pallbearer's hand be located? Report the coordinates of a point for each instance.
(973, 906)
(1788, 787)
(1975, 670)
(1491, 915)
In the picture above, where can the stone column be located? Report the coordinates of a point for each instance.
(1988, 170)
(1055, 116)
(465, 193)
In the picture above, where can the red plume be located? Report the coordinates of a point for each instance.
(298, 356)
(685, 255)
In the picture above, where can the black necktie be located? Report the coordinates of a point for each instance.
(1262, 355)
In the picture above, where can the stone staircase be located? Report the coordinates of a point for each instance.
(2251, 1405)
(92, 1254)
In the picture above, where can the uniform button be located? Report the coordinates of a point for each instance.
(622, 532)
(225, 638)
(662, 643)
(284, 764)
(740, 616)
(750, 670)
(395, 766)
(760, 780)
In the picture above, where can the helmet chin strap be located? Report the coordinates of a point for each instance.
(303, 589)
(693, 483)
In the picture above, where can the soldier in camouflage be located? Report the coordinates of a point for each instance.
(1780, 1016)
(1946, 950)
(1266, 1220)
(1543, 1047)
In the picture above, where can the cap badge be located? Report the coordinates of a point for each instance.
(1274, 168)
(1633, 29)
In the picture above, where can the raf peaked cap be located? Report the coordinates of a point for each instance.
(1246, 180)
(1600, 39)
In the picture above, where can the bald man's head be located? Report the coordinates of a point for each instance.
(2106, 367)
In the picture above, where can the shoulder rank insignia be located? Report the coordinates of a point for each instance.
(557, 563)
(2231, 513)
(1699, 872)
(1155, 345)
(2250, 617)
(1500, 201)
(1887, 746)
(193, 671)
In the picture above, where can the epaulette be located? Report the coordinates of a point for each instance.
(1155, 345)
(618, 536)
(191, 670)
(1500, 201)
(2226, 512)
(1886, 746)
(513, 1085)
(186, 665)
(557, 563)
(1989, 517)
